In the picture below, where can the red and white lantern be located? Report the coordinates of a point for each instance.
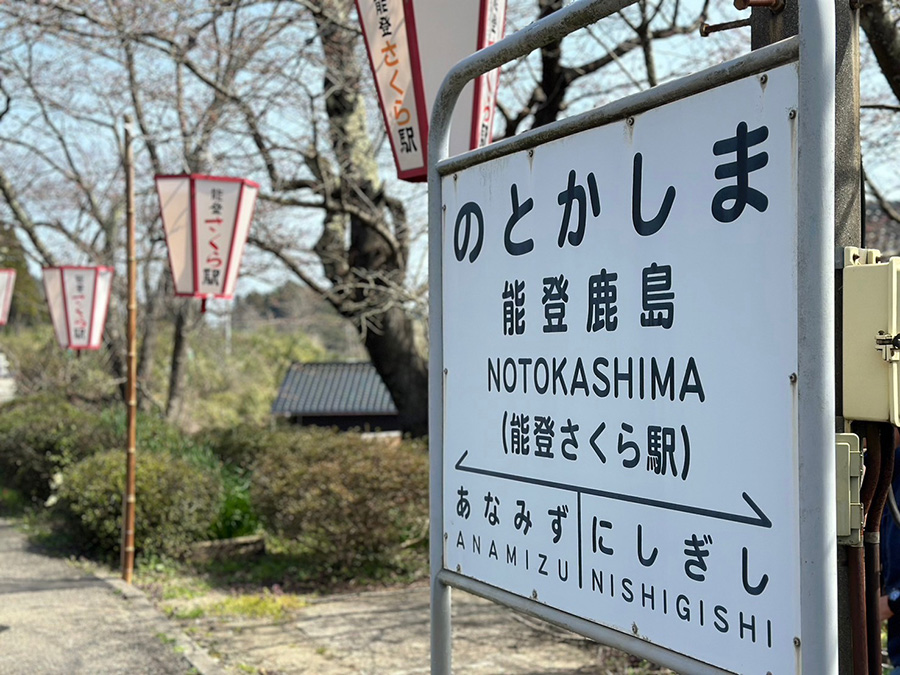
(7, 282)
(412, 44)
(79, 300)
(206, 220)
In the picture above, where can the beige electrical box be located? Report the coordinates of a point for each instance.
(871, 339)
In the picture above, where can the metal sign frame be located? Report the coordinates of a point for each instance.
(814, 50)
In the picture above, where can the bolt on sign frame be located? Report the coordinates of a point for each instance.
(800, 72)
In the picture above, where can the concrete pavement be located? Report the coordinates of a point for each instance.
(55, 618)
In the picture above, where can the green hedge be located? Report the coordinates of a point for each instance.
(352, 501)
(238, 447)
(52, 448)
(41, 436)
(178, 501)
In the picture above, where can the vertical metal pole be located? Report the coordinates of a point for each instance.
(440, 593)
(768, 27)
(131, 386)
(817, 641)
(438, 149)
(848, 206)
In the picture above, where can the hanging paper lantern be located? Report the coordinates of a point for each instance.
(412, 44)
(206, 220)
(7, 282)
(78, 299)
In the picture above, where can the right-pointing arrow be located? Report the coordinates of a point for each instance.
(760, 519)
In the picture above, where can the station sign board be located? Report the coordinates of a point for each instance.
(615, 303)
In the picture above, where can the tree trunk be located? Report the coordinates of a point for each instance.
(554, 82)
(400, 356)
(881, 29)
(367, 274)
(149, 332)
(175, 399)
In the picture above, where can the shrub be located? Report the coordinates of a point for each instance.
(352, 501)
(177, 502)
(236, 517)
(239, 446)
(42, 435)
(154, 434)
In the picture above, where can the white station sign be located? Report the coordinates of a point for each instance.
(615, 302)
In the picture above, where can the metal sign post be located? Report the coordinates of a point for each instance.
(612, 298)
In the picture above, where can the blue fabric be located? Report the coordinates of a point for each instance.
(890, 566)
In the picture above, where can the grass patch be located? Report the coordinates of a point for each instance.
(12, 503)
(287, 569)
(165, 580)
(266, 605)
(185, 613)
(42, 527)
(297, 567)
(184, 589)
(165, 639)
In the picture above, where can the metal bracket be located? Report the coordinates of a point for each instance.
(888, 345)
(849, 470)
(846, 256)
(775, 6)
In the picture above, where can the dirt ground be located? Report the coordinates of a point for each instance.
(386, 632)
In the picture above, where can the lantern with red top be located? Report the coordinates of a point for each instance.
(7, 282)
(79, 300)
(206, 220)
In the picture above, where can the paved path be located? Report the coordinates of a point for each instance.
(57, 619)
(386, 633)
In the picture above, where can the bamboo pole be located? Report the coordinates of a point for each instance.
(131, 385)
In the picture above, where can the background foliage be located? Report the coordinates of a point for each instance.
(354, 501)
(179, 500)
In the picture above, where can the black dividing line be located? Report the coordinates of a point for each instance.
(759, 520)
(579, 542)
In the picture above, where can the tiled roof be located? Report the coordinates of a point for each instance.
(333, 389)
